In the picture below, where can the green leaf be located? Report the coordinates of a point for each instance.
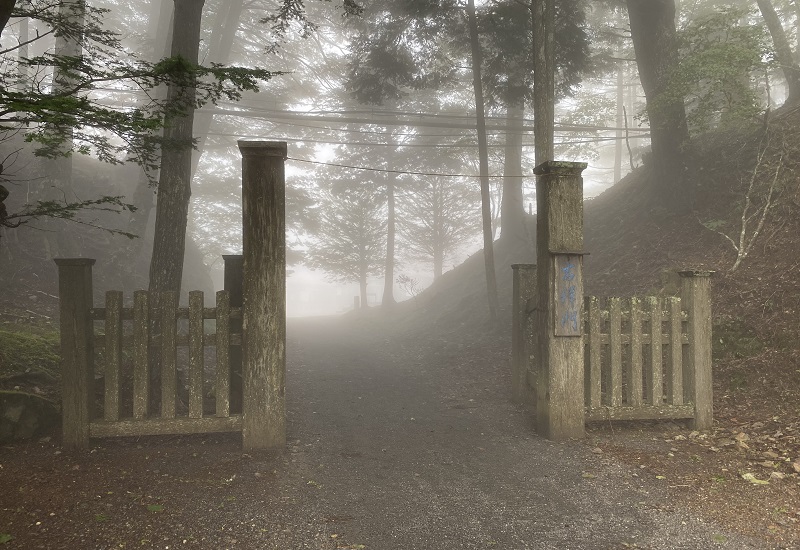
(5, 537)
(155, 508)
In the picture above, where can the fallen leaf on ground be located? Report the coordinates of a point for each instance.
(753, 479)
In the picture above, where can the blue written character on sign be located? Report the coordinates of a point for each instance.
(570, 319)
(568, 271)
(569, 295)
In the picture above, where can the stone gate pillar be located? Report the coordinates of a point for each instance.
(264, 295)
(559, 254)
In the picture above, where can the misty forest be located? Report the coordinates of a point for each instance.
(400, 274)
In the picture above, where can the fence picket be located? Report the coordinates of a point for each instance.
(113, 355)
(655, 379)
(634, 388)
(196, 354)
(223, 338)
(169, 369)
(675, 381)
(141, 341)
(614, 389)
(594, 382)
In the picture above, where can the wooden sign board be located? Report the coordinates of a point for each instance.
(568, 287)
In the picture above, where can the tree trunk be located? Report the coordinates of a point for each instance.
(160, 23)
(388, 279)
(60, 168)
(23, 72)
(796, 7)
(438, 263)
(483, 153)
(6, 7)
(620, 122)
(362, 286)
(653, 33)
(544, 78)
(222, 37)
(512, 209)
(783, 51)
(174, 184)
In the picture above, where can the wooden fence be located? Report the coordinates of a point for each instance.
(126, 340)
(644, 359)
(249, 381)
(146, 417)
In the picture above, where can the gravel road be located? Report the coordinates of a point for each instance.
(395, 443)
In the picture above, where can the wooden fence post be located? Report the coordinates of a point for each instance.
(697, 380)
(233, 279)
(522, 330)
(559, 253)
(264, 294)
(77, 349)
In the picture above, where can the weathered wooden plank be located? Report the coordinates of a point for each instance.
(647, 412)
(182, 340)
(113, 354)
(614, 387)
(196, 358)
(696, 298)
(654, 372)
(99, 313)
(625, 339)
(634, 386)
(222, 387)
(675, 379)
(141, 364)
(77, 349)
(169, 355)
(593, 368)
(160, 426)
(232, 282)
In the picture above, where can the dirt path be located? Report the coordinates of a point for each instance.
(393, 445)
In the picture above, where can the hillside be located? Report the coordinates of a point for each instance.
(635, 248)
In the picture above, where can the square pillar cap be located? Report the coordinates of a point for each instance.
(560, 168)
(262, 148)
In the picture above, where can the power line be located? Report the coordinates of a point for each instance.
(410, 173)
(385, 170)
(423, 120)
(470, 145)
(369, 114)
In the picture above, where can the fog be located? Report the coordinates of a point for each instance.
(384, 164)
